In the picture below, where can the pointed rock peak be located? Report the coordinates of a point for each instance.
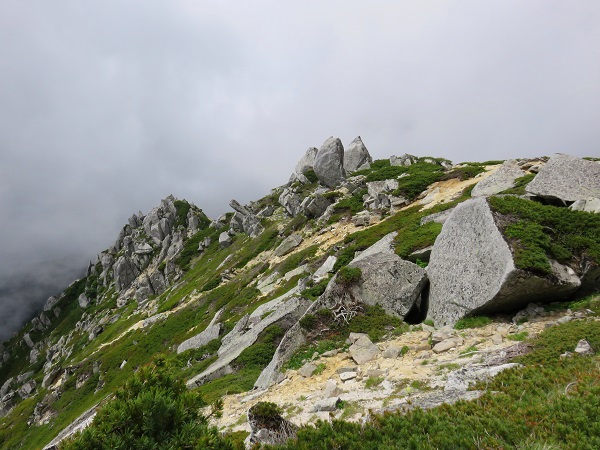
(307, 161)
(329, 163)
(357, 156)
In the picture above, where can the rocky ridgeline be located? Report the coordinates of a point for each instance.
(473, 268)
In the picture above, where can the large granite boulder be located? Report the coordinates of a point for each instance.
(567, 178)
(357, 156)
(386, 279)
(471, 270)
(329, 163)
(307, 161)
(503, 178)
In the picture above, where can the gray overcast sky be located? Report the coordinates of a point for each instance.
(108, 106)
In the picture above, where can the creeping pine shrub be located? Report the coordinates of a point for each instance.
(347, 276)
(313, 292)
(538, 232)
(152, 410)
(311, 175)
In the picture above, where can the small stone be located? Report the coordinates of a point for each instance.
(307, 370)
(345, 376)
(331, 353)
(584, 348)
(328, 404)
(497, 339)
(391, 352)
(447, 344)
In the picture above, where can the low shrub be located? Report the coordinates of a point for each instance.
(348, 276)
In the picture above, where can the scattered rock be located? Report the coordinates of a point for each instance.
(28, 340)
(324, 271)
(225, 240)
(497, 339)
(84, 302)
(326, 404)
(314, 206)
(329, 163)
(391, 352)
(290, 201)
(386, 279)
(447, 344)
(345, 376)
(331, 389)
(288, 244)
(307, 370)
(268, 427)
(363, 350)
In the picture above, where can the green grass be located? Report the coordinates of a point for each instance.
(373, 382)
(518, 336)
(520, 184)
(538, 232)
(472, 322)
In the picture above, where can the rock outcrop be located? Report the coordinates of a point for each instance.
(357, 156)
(567, 179)
(244, 220)
(284, 310)
(471, 270)
(329, 163)
(290, 201)
(208, 334)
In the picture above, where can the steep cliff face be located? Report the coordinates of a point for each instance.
(341, 248)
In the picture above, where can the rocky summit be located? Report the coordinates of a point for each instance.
(410, 286)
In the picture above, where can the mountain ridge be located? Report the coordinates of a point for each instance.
(241, 289)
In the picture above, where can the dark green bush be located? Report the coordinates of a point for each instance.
(347, 276)
(152, 410)
(311, 175)
(538, 232)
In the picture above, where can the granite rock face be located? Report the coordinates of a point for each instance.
(329, 163)
(567, 178)
(471, 270)
(357, 156)
(504, 178)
